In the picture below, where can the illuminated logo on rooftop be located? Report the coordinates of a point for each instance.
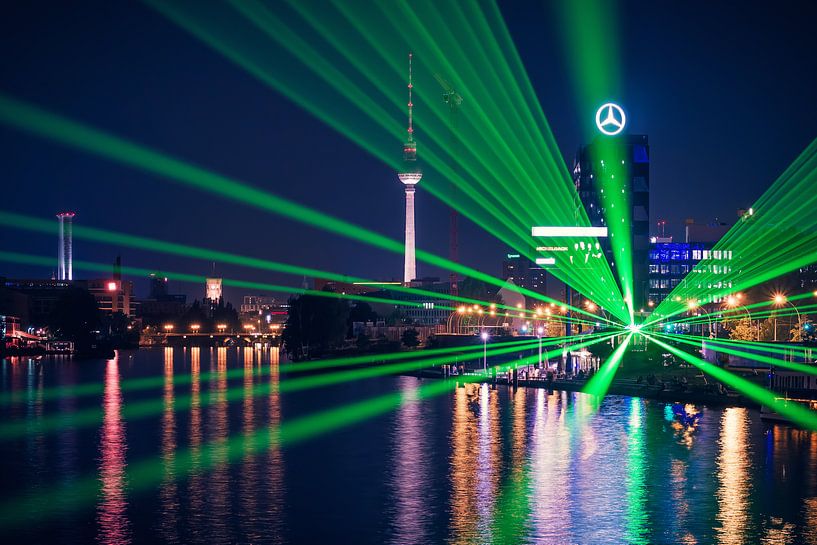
(610, 119)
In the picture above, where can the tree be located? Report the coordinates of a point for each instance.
(360, 312)
(314, 325)
(807, 332)
(120, 330)
(410, 338)
(194, 315)
(75, 317)
(766, 329)
(363, 341)
(741, 330)
(225, 314)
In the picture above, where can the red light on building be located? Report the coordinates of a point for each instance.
(111, 286)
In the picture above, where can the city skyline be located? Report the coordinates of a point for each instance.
(696, 172)
(408, 271)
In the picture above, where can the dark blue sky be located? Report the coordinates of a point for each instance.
(726, 95)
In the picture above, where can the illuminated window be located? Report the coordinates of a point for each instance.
(640, 154)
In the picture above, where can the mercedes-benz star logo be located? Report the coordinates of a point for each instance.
(610, 119)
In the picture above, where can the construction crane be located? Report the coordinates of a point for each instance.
(453, 99)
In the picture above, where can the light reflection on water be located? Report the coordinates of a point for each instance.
(410, 463)
(475, 465)
(168, 493)
(114, 526)
(551, 437)
(734, 471)
(463, 465)
(217, 488)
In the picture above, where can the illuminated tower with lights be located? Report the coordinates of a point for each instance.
(65, 258)
(410, 175)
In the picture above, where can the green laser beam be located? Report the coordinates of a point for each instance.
(774, 238)
(146, 473)
(796, 413)
(793, 366)
(313, 48)
(600, 382)
(142, 409)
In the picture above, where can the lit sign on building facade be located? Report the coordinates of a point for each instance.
(610, 119)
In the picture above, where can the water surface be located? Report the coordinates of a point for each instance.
(185, 446)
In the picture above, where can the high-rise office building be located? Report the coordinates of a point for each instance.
(524, 273)
(625, 159)
(158, 286)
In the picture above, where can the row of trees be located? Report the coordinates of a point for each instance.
(203, 314)
(316, 325)
(745, 329)
(77, 318)
(208, 318)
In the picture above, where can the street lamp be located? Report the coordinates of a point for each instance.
(195, 328)
(732, 301)
(779, 300)
(485, 351)
(168, 328)
(221, 327)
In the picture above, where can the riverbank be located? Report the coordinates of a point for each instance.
(662, 390)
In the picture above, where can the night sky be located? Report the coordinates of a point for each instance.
(727, 95)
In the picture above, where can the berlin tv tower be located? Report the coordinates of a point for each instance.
(410, 175)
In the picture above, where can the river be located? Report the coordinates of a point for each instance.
(211, 446)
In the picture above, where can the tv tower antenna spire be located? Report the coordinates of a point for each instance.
(411, 146)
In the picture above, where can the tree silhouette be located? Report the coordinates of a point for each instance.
(75, 317)
(410, 338)
(314, 325)
(360, 312)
